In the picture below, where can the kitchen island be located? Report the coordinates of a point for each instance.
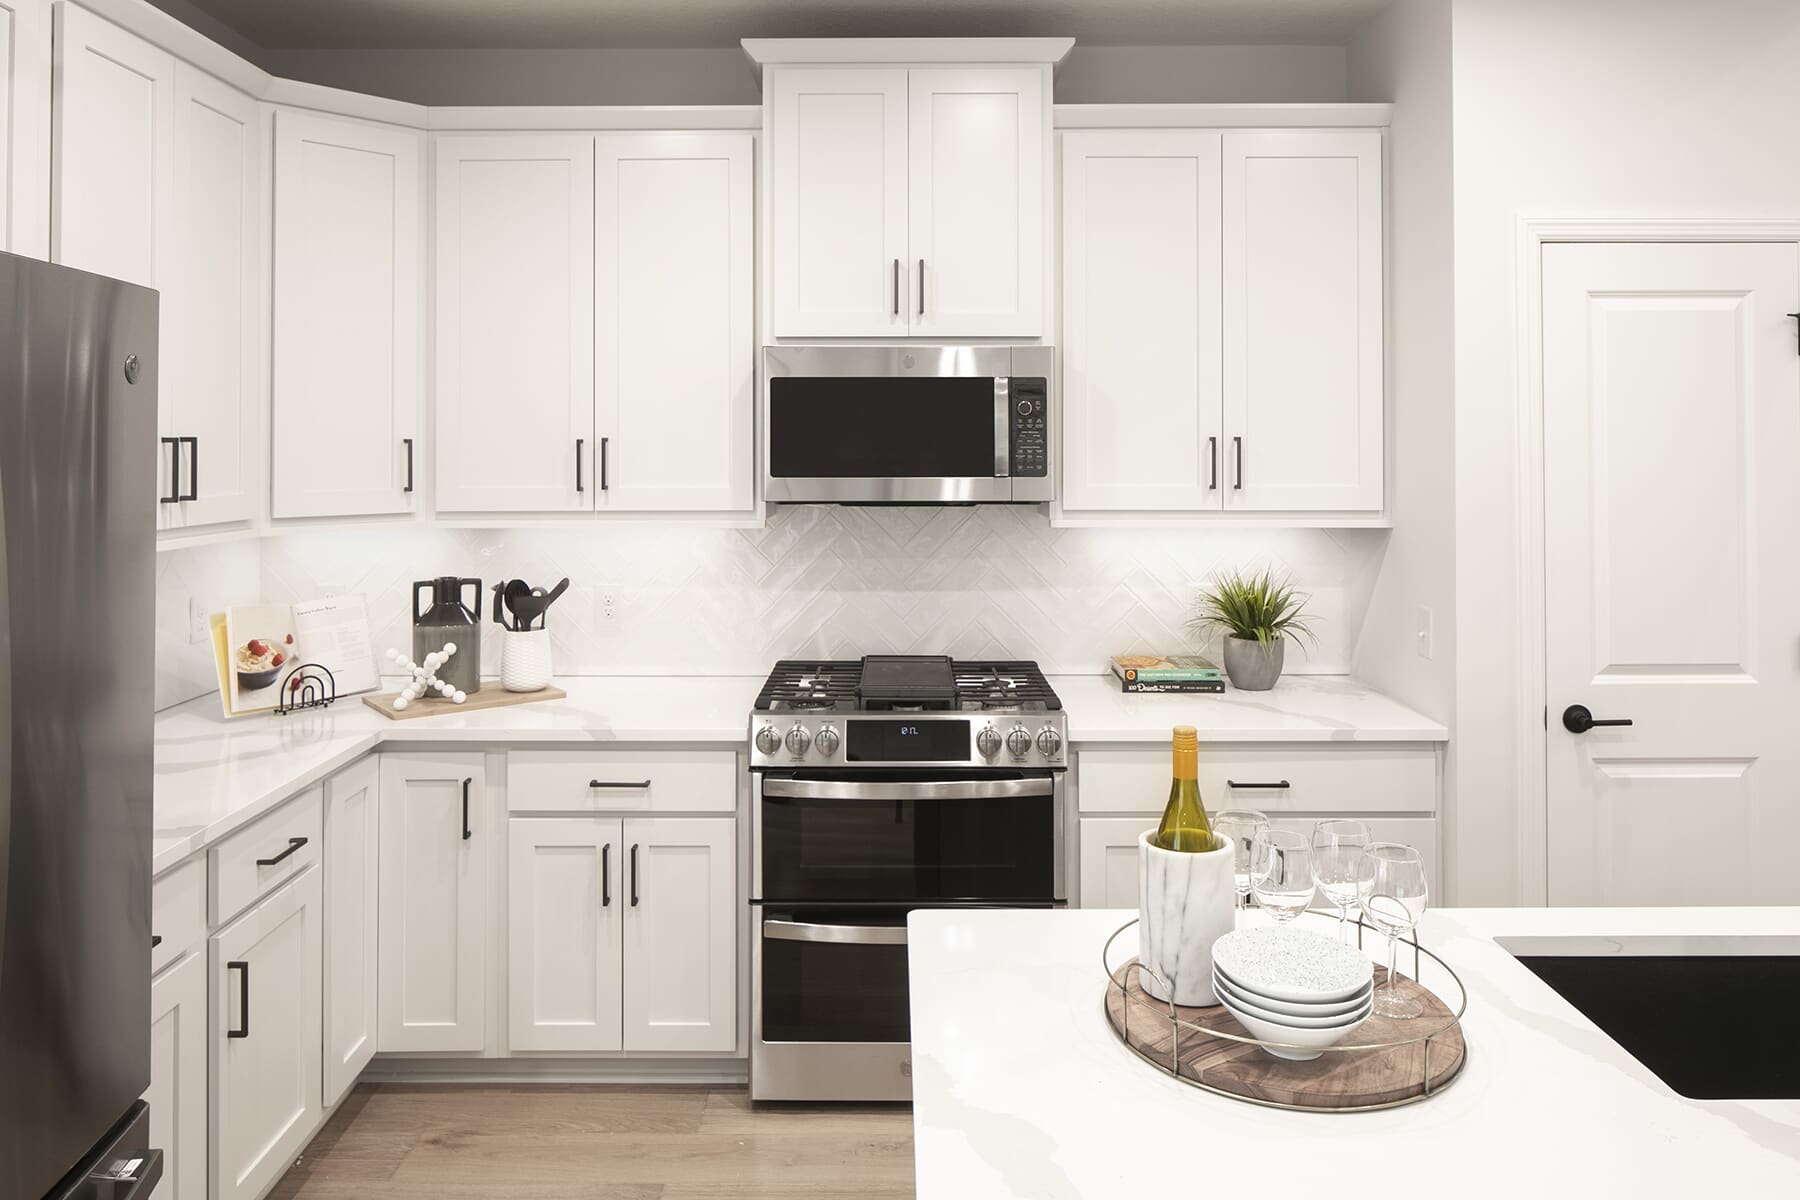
(1021, 1088)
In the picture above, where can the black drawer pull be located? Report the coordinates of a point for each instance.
(603, 783)
(606, 875)
(634, 895)
(294, 844)
(467, 832)
(1282, 785)
(243, 1029)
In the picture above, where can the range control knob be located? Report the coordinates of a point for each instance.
(988, 741)
(768, 739)
(1049, 742)
(798, 740)
(827, 741)
(1019, 741)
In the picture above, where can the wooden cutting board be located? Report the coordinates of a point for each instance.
(491, 695)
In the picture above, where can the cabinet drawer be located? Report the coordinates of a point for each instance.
(177, 913)
(253, 861)
(587, 781)
(1317, 778)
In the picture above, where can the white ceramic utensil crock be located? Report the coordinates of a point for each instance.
(525, 660)
(1186, 902)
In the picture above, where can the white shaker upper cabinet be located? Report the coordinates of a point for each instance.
(514, 327)
(975, 201)
(1303, 320)
(1142, 414)
(348, 232)
(674, 318)
(837, 196)
(113, 181)
(25, 73)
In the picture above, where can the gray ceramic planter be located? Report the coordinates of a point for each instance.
(1253, 669)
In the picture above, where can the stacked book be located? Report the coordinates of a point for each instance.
(1171, 673)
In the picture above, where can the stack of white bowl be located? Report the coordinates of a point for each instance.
(1293, 986)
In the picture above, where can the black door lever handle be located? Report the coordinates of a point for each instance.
(1577, 719)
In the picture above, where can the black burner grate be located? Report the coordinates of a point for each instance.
(1001, 685)
(837, 686)
(797, 686)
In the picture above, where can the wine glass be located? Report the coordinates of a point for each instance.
(1245, 827)
(1395, 903)
(1281, 873)
(1339, 864)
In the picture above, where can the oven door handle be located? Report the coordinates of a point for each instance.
(852, 935)
(945, 789)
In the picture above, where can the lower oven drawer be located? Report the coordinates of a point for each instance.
(830, 977)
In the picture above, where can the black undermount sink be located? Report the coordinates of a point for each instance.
(1711, 1026)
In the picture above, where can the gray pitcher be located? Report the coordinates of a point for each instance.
(448, 619)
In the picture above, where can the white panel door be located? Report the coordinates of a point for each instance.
(113, 182)
(25, 73)
(1109, 860)
(675, 347)
(1672, 590)
(975, 201)
(352, 839)
(210, 394)
(681, 934)
(1303, 320)
(345, 405)
(177, 1095)
(514, 326)
(837, 201)
(265, 1039)
(565, 914)
(435, 850)
(1142, 407)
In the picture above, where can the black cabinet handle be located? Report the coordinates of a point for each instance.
(1577, 719)
(467, 832)
(1796, 316)
(174, 496)
(409, 465)
(634, 895)
(579, 444)
(606, 875)
(602, 783)
(896, 287)
(1212, 452)
(294, 844)
(921, 287)
(155, 940)
(603, 445)
(1237, 449)
(193, 445)
(1282, 785)
(243, 1029)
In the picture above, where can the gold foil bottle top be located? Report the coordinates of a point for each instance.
(1187, 752)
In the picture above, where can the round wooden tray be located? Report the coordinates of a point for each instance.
(1430, 1056)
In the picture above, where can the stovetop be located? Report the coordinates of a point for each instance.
(906, 683)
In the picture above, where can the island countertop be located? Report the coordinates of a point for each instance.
(1021, 1088)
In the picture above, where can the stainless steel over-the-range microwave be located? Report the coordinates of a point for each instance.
(907, 424)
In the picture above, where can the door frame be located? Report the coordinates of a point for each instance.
(1532, 233)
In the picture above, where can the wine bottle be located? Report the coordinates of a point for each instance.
(1184, 826)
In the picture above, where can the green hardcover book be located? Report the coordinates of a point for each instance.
(1173, 668)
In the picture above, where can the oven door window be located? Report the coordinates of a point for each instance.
(879, 428)
(833, 990)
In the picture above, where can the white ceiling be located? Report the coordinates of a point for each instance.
(419, 24)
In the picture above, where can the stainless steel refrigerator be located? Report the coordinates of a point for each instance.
(78, 447)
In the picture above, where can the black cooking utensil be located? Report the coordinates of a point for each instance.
(516, 591)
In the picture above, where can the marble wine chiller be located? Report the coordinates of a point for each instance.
(1186, 902)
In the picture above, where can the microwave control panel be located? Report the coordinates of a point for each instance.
(1030, 448)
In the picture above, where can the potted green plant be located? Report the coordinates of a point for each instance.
(1257, 613)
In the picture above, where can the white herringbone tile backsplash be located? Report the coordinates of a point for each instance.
(820, 582)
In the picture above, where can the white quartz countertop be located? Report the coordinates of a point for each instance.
(1020, 1087)
(1300, 708)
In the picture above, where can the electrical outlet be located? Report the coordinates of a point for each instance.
(199, 622)
(1423, 634)
(608, 606)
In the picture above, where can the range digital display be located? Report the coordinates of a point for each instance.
(906, 741)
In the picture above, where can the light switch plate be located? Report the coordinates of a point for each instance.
(1424, 634)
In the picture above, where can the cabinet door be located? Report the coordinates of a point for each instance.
(565, 925)
(265, 1039)
(177, 1095)
(681, 934)
(211, 312)
(975, 201)
(113, 180)
(348, 229)
(514, 327)
(1303, 320)
(432, 991)
(25, 127)
(352, 816)
(1109, 860)
(837, 196)
(1142, 407)
(675, 343)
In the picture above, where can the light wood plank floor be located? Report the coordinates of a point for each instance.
(411, 1141)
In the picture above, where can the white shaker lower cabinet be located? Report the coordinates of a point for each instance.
(681, 933)
(177, 1095)
(349, 229)
(266, 994)
(350, 862)
(434, 902)
(1109, 860)
(566, 918)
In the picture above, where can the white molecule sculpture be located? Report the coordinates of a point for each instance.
(424, 678)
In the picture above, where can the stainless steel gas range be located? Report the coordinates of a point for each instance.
(881, 786)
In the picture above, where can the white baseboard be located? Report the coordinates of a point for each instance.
(714, 1071)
